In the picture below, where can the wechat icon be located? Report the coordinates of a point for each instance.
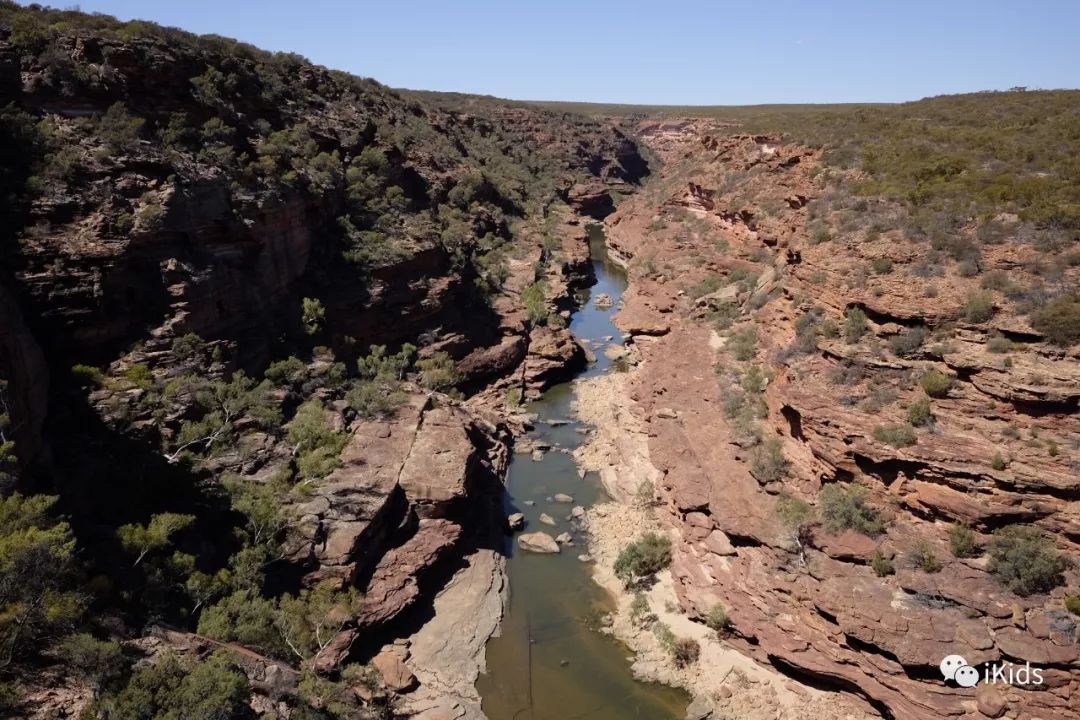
(956, 668)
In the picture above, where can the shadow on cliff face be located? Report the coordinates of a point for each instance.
(106, 478)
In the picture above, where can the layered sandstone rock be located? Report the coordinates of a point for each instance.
(818, 610)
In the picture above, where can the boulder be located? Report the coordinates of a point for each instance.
(391, 666)
(990, 701)
(547, 519)
(563, 498)
(565, 539)
(515, 521)
(538, 542)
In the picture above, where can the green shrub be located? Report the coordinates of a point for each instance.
(640, 613)
(924, 557)
(513, 397)
(962, 542)
(37, 575)
(855, 324)
(99, 661)
(317, 445)
(1072, 604)
(718, 620)
(140, 376)
(999, 344)
(996, 280)
(650, 554)
(373, 399)
(438, 372)
(843, 507)
(710, 284)
(1024, 560)
(935, 383)
(87, 375)
(919, 413)
(664, 635)
(899, 436)
(213, 689)
(998, 461)
(535, 299)
(312, 315)
(119, 129)
(882, 266)
(908, 342)
(881, 564)
(246, 618)
(979, 307)
(1059, 320)
(769, 463)
(742, 344)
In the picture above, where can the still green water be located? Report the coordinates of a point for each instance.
(550, 662)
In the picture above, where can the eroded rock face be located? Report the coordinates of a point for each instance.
(819, 610)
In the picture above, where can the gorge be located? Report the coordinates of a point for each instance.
(294, 367)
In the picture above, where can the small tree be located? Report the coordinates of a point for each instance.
(99, 661)
(141, 540)
(37, 573)
(317, 447)
(535, 299)
(796, 516)
(310, 621)
(313, 315)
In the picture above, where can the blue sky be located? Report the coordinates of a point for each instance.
(691, 52)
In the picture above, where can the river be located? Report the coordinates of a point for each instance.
(550, 661)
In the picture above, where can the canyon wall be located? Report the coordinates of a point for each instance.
(754, 393)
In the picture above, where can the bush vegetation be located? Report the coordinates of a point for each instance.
(899, 436)
(962, 541)
(643, 558)
(924, 557)
(843, 507)
(717, 619)
(935, 383)
(919, 413)
(881, 564)
(1023, 559)
(1059, 320)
